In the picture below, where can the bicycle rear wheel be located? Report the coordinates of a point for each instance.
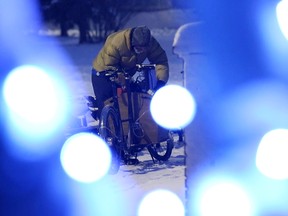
(111, 131)
(161, 151)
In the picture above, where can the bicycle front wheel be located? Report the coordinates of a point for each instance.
(161, 151)
(111, 131)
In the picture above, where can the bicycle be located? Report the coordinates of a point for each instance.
(126, 146)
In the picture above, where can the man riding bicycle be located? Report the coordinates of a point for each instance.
(124, 49)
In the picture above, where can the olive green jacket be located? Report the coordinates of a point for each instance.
(117, 52)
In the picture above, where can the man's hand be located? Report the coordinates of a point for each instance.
(120, 80)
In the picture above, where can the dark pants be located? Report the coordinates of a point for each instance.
(102, 88)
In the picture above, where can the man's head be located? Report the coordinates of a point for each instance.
(140, 38)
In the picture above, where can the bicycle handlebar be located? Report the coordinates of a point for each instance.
(139, 67)
(145, 66)
(113, 73)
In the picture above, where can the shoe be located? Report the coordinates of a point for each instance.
(131, 161)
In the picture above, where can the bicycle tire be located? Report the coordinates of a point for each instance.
(110, 130)
(161, 151)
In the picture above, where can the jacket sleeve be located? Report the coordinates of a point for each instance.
(111, 57)
(157, 55)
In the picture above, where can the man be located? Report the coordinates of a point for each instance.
(125, 49)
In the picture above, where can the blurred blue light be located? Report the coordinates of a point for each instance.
(36, 109)
(269, 195)
(26, 17)
(252, 109)
(103, 197)
(173, 107)
(271, 158)
(161, 202)
(85, 157)
(282, 16)
(273, 36)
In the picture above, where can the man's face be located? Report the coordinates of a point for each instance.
(139, 49)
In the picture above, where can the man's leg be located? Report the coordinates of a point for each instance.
(102, 89)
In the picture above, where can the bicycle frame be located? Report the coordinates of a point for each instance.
(132, 118)
(125, 147)
(128, 145)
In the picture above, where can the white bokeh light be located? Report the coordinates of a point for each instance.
(224, 198)
(173, 107)
(271, 157)
(36, 108)
(161, 202)
(33, 96)
(85, 157)
(282, 16)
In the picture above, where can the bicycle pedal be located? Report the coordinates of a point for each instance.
(132, 161)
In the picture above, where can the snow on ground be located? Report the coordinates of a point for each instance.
(145, 176)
